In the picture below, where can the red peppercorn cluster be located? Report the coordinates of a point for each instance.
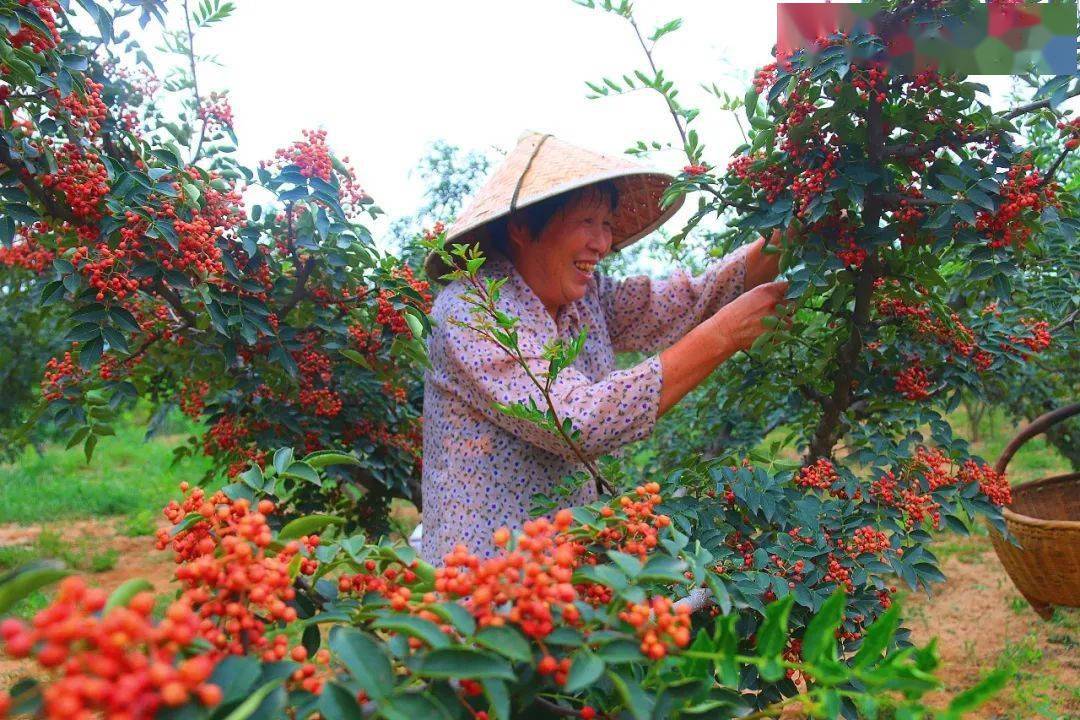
(86, 111)
(1040, 338)
(953, 334)
(82, 180)
(820, 476)
(1024, 194)
(660, 626)
(193, 397)
(769, 178)
(994, 485)
(27, 254)
(765, 77)
(912, 382)
(60, 374)
(39, 42)
(235, 584)
(116, 664)
(870, 82)
(311, 155)
(216, 112)
(694, 170)
(869, 541)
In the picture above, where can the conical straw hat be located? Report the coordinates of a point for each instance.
(542, 166)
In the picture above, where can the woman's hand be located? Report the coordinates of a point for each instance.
(739, 322)
(762, 267)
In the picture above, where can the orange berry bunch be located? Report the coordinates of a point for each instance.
(660, 625)
(228, 574)
(522, 585)
(820, 476)
(1024, 194)
(116, 664)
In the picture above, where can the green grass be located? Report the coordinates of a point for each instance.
(125, 476)
(82, 554)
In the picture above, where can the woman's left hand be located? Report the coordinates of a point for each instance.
(761, 267)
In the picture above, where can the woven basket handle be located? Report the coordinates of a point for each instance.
(1039, 425)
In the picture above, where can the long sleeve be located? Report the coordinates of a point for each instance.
(620, 408)
(650, 315)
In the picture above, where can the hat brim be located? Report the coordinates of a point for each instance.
(637, 215)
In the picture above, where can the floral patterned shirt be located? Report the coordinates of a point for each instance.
(481, 466)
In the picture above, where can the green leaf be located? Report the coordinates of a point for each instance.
(307, 525)
(975, 696)
(22, 581)
(664, 568)
(122, 595)
(819, 639)
(322, 458)
(627, 563)
(877, 637)
(247, 708)
(365, 658)
(462, 663)
(499, 698)
(338, 703)
(506, 641)
(772, 634)
(417, 627)
(302, 471)
(585, 669)
(638, 703)
(283, 457)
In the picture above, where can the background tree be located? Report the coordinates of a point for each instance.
(281, 324)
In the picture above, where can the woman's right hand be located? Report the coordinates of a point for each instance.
(739, 321)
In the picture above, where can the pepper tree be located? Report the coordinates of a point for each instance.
(254, 299)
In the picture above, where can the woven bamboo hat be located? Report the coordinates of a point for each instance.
(542, 166)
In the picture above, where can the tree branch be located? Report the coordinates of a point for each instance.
(299, 292)
(830, 428)
(175, 301)
(194, 81)
(52, 206)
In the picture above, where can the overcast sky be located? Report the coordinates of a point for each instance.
(385, 79)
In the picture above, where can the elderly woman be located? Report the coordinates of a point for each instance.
(545, 219)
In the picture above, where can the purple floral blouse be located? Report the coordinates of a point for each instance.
(481, 467)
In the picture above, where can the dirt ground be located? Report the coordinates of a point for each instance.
(978, 616)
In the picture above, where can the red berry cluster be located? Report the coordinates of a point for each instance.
(60, 374)
(769, 178)
(1024, 194)
(868, 540)
(869, 82)
(660, 626)
(1072, 130)
(82, 179)
(114, 664)
(46, 11)
(912, 382)
(1039, 340)
(234, 582)
(820, 476)
(216, 112)
(693, 170)
(311, 155)
(193, 397)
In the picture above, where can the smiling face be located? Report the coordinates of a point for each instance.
(560, 264)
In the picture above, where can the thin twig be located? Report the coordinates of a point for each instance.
(194, 81)
(648, 54)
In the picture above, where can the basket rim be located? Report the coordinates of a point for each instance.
(1020, 518)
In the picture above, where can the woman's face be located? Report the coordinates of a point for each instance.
(558, 267)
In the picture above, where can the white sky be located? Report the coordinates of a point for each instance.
(387, 78)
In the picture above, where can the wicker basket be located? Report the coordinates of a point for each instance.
(1044, 519)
